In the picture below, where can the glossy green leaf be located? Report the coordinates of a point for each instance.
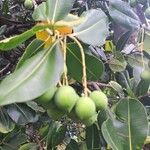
(73, 145)
(39, 73)
(14, 41)
(94, 30)
(74, 64)
(129, 129)
(34, 47)
(54, 10)
(6, 124)
(21, 114)
(29, 146)
(122, 14)
(133, 128)
(92, 137)
(111, 136)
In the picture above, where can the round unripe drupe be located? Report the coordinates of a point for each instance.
(145, 75)
(90, 121)
(65, 98)
(100, 99)
(28, 4)
(147, 13)
(85, 108)
(47, 96)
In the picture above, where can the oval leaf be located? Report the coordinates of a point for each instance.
(39, 73)
(94, 30)
(54, 10)
(134, 124)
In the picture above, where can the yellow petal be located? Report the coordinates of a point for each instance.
(48, 42)
(42, 35)
(65, 30)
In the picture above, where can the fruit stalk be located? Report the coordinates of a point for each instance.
(65, 66)
(84, 79)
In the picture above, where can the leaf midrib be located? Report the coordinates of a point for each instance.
(129, 127)
(55, 11)
(81, 63)
(86, 30)
(34, 70)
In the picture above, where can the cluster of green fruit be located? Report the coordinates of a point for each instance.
(65, 101)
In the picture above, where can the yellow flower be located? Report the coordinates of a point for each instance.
(45, 36)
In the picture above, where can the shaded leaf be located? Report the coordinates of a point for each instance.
(142, 88)
(92, 137)
(122, 14)
(29, 146)
(123, 40)
(38, 74)
(94, 30)
(56, 134)
(21, 114)
(73, 145)
(6, 124)
(14, 140)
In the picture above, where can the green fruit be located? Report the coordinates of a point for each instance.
(54, 112)
(47, 96)
(65, 98)
(147, 13)
(145, 75)
(28, 4)
(90, 121)
(133, 3)
(100, 99)
(85, 108)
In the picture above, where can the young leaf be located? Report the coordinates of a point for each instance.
(54, 10)
(14, 41)
(94, 30)
(38, 73)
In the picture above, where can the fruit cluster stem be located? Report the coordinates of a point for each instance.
(65, 66)
(84, 78)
